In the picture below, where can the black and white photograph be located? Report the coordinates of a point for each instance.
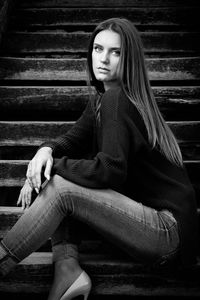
(99, 149)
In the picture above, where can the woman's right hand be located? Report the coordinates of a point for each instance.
(43, 158)
(25, 195)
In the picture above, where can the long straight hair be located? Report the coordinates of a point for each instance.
(133, 78)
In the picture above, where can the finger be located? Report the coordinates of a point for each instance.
(48, 167)
(28, 169)
(23, 198)
(26, 203)
(29, 174)
(23, 202)
(36, 176)
(19, 199)
(28, 198)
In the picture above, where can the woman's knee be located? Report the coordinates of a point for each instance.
(60, 190)
(59, 183)
(53, 185)
(49, 193)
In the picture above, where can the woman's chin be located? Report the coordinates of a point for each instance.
(102, 78)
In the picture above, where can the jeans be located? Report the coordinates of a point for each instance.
(147, 235)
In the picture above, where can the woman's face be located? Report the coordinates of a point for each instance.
(105, 57)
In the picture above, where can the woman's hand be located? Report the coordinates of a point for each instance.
(43, 158)
(25, 195)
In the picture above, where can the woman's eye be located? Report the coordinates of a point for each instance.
(97, 48)
(116, 52)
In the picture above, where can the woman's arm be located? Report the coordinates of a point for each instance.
(109, 167)
(78, 139)
(74, 142)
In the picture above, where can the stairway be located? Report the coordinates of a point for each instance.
(43, 90)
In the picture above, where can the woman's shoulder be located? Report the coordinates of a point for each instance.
(115, 98)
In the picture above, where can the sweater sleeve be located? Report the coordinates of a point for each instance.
(108, 169)
(77, 140)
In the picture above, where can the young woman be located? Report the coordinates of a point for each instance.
(119, 169)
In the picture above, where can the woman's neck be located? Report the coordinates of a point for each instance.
(110, 84)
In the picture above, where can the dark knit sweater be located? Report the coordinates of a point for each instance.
(122, 159)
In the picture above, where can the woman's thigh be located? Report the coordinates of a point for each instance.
(145, 233)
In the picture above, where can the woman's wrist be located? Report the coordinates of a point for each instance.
(46, 149)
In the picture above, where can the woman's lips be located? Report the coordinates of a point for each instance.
(103, 70)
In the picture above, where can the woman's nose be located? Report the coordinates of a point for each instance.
(104, 57)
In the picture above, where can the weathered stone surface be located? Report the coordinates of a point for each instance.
(77, 42)
(69, 69)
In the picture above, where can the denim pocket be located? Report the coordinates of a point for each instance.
(171, 227)
(167, 218)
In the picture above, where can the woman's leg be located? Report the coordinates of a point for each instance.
(143, 232)
(65, 241)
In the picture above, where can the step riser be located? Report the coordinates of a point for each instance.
(104, 3)
(33, 133)
(74, 69)
(67, 103)
(148, 16)
(13, 173)
(55, 42)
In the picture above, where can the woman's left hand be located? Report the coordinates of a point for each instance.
(25, 195)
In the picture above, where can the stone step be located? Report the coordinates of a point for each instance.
(69, 69)
(187, 16)
(13, 172)
(179, 43)
(105, 3)
(67, 102)
(110, 276)
(29, 133)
